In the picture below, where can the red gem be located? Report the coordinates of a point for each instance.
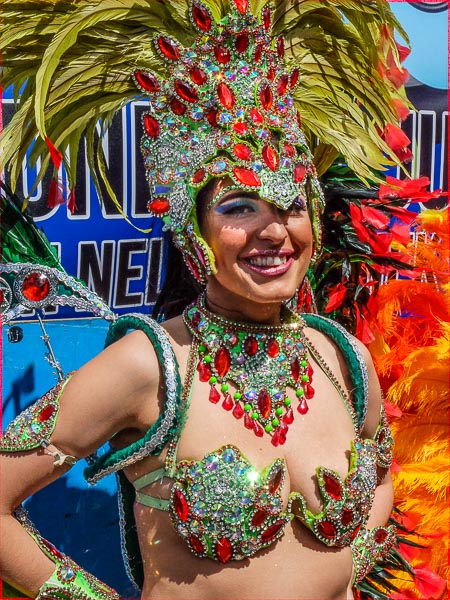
(264, 403)
(266, 97)
(275, 439)
(36, 287)
(303, 407)
(169, 48)
(242, 151)
(223, 55)
(214, 395)
(258, 430)
(380, 536)
(222, 361)
(271, 74)
(289, 150)
(212, 117)
(299, 172)
(272, 531)
(282, 85)
(159, 206)
(204, 371)
(299, 119)
(327, 529)
(196, 544)
(381, 436)
(238, 411)
(198, 176)
(177, 107)
(258, 54)
(248, 421)
(289, 417)
(47, 412)
(282, 436)
(309, 391)
(247, 177)
(355, 532)
(240, 128)
(241, 5)
(151, 126)
(258, 518)
(293, 80)
(185, 91)
(275, 480)
(226, 96)
(251, 346)
(147, 81)
(228, 402)
(310, 372)
(266, 17)
(201, 17)
(224, 550)
(198, 76)
(272, 348)
(2, 297)
(347, 516)
(196, 318)
(180, 505)
(241, 42)
(270, 157)
(295, 369)
(257, 116)
(51, 548)
(280, 47)
(332, 486)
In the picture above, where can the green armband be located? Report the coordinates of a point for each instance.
(369, 547)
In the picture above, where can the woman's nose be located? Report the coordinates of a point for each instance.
(273, 228)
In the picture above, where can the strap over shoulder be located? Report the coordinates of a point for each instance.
(169, 420)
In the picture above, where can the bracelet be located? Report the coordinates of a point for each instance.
(370, 546)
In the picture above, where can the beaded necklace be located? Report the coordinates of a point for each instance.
(259, 362)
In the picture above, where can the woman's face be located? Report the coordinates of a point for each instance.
(262, 253)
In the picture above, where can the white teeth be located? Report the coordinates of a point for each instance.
(267, 261)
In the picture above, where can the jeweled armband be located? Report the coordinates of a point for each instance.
(33, 427)
(369, 547)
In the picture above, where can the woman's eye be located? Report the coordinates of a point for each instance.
(236, 208)
(297, 207)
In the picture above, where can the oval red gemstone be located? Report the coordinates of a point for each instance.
(147, 81)
(303, 407)
(159, 206)
(251, 346)
(52, 549)
(273, 348)
(380, 536)
(196, 544)
(266, 97)
(240, 128)
(227, 403)
(242, 151)
(294, 77)
(46, 413)
(201, 17)
(151, 126)
(214, 395)
(238, 411)
(264, 404)
(177, 107)
(168, 48)
(289, 417)
(242, 42)
(222, 361)
(225, 95)
(271, 74)
(332, 486)
(327, 529)
(248, 421)
(258, 54)
(295, 369)
(247, 177)
(258, 518)
(257, 429)
(282, 85)
(270, 157)
(256, 116)
(289, 150)
(180, 505)
(241, 5)
(36, 287)
(199, 176)
(198, 76)
(381, 436)
(299, 172)
(223, 55)
(280, 47)
(185, 91)
(272, 531)
(204, 371)
(266, 17)
(223, 550)
(347, 517)
(299, 119)
(355, 532)
(211, 115)
(275, 480)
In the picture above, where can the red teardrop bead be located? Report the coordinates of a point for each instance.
(299, 172)
(289, 417)
(273, 348)
(238, 411)
(295, 369)
(380, 536)
(168, 48)
(257, 429)
(46, 413)
(223, 550)
(332, 486)
(247, 177)
(275, 439)
(294, 77)
(199, 176)
(251, 346)
(266, 17)
(310, 372)
(177, 107)
(280, 47)
(272, 531)
(198, 76)
(196, 544)
(309, 391)
(159, 206)
(282, 84)
(270, 157)
(303, 407)
(242, 42)
(327, 529)
(275, 480)
(214, 395)
(289, 150)
(258, 518)
(151, 126)
(211, 115)
(258, 54)
(256, 116)
(180, 505)
(228, 403)
(266, 97)
(264, 403)
(36, 287)
(248, 421)
(223, 55)
(347, 516)
(282, 437)
(204, 371)
(242, 151)
(241, 5)
(222, 361)
(225, 95)
(185, 91)
(240, 128)
(147, 81)
(201, 17)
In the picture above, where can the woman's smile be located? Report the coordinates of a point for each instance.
(269, 263)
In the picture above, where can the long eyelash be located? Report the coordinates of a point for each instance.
(228, 206)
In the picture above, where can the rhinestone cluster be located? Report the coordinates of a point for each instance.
(369, 547)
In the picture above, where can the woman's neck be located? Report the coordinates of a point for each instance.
(243, 310)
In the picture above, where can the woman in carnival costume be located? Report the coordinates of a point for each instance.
(245, 436)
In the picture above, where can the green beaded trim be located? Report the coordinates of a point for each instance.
(369, 547)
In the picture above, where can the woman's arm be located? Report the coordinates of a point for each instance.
(115, 391)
